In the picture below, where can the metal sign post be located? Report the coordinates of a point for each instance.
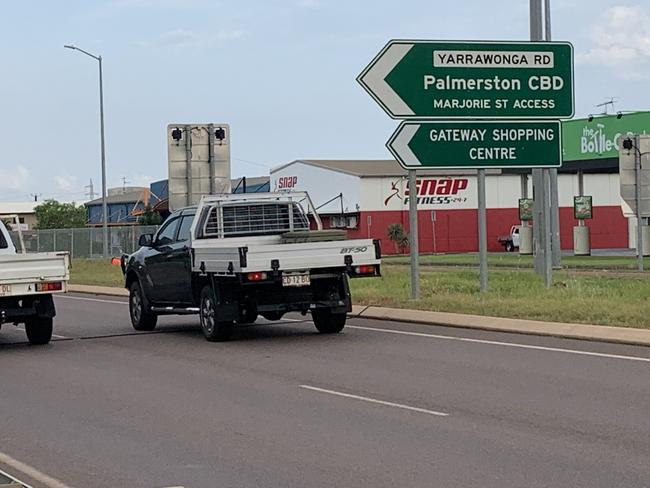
(637, 196)
(413, 238)
(482, 232)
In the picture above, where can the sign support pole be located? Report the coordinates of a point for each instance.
(555, 210)
(548, 257)
(482, 233)
(637, 197)
(413, 239)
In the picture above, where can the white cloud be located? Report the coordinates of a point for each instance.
(15, 178)
(621, 42)
(184, 38)
(66, 182)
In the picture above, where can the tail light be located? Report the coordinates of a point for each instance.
(368, 269)
(51, 286)
(257, 276)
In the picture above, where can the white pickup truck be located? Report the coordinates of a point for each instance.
(238, 256)
(27, 283)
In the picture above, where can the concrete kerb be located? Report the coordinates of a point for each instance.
(600, 333)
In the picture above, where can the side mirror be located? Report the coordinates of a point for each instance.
(146, 240)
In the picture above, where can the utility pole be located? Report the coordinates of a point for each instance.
(103, 148)
(556, 251)
(541, 178)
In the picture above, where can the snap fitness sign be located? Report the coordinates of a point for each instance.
(600, 138)
(431, 191)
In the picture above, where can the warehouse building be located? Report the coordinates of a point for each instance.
(366, 196)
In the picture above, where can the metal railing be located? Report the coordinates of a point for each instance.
(85, 243)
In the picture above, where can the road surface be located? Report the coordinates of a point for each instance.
(381, 405)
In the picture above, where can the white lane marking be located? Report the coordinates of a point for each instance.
(14, 479)
(505, 344)
(374, 400)
(33, 473)
(92, 299)
(451, 338)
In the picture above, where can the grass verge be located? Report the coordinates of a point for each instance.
(514, 260)
(592, 299)
(601, 300)
(95, 272)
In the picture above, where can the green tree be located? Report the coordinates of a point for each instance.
(149, 217)
(397, 234)
(52, 214)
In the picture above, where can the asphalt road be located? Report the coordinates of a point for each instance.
(380, 405)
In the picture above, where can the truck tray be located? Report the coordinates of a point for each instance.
(314, 236)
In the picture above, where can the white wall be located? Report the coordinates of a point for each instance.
(503, 191)
(321, 184)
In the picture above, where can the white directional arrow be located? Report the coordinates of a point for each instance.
(398, 145)
(373, 79)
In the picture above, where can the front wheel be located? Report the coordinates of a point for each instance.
(39, 330)
(141, 318)
(327, 322)
(510, 247)
(213, 329)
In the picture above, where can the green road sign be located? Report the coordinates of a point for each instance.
(474, 144)
(472, 79)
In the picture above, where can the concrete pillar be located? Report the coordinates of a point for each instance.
(645, 239)
(581, 241)
(525, 240)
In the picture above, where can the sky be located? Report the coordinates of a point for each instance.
(280, 72)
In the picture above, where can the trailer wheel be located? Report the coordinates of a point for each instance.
(213, 329)
(141, 318)
(39, 330)
(327, 322)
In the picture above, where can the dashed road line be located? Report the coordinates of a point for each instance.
(375, 401)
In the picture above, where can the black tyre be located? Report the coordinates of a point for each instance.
(327, 322)
(39, 330)
(213, 329)
(509, 247)
(141, 317)
(272, 316)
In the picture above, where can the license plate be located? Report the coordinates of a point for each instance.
(296, 280)
(5, 290)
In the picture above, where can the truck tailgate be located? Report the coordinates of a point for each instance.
(18, 269)
(290, 257)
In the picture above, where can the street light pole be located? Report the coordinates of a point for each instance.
(103, 149)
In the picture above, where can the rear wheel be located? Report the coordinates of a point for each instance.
(213, 329)
(327, 322)
(141, 318)
(39, 330)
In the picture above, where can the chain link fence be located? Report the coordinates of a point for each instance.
(86, 243)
